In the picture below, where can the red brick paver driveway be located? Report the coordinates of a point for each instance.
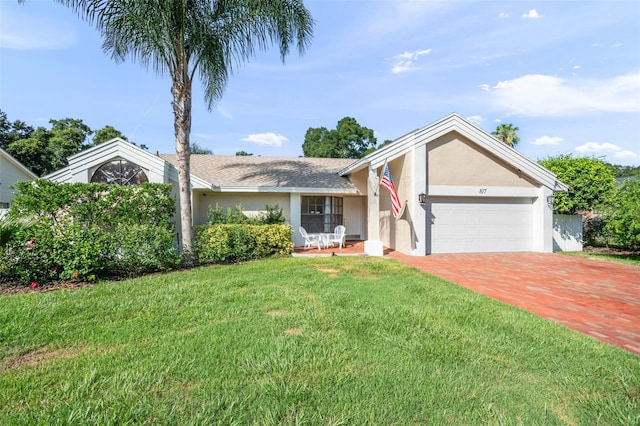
(595, 297)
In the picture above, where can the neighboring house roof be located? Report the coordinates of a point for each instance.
(263, 174)
(18, 165)
(454, 123)
(620, 180)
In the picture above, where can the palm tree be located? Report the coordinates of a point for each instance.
(9, 226)
(185, 37)
(507, 133)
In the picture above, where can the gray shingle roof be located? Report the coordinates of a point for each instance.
(271, 172)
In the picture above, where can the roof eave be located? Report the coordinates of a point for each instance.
(286, 189)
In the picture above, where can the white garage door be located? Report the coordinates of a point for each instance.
(472, 225)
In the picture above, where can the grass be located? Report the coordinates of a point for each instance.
(340, 340)
(628, 258)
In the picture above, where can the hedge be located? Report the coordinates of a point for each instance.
(230, 243)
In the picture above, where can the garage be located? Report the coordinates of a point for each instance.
(479, 225)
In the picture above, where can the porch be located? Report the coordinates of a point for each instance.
(351, 248)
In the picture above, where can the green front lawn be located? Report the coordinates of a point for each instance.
(339, 340)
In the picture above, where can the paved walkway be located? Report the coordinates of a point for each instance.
(595, 297)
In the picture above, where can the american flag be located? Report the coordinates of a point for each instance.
(387, 183)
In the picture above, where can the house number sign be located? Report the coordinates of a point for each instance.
(483, 191)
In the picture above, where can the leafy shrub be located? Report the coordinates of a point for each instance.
(218, 216)
(228, 243)
(623, 214)
(140, 249)
(594, 231)
(89, 231)
(100, 204)
(272, 215)
(589, 179)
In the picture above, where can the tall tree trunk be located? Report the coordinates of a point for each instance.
(181, 91)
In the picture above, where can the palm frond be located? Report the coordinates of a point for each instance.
(210, 37)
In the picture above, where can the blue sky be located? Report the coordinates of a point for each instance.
(566, 73)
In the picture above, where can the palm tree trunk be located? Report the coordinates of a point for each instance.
(181, 91)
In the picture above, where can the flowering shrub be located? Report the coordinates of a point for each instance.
(89, 231)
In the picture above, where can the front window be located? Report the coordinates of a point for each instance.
(321, 214)
(120, 172)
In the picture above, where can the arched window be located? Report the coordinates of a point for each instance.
(120, 172)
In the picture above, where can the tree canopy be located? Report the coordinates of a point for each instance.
(196, 148)
(106, 134)
(590, 182)
(623, 214)
(12, 131)
(44, 150)
(507, 133)
(623, 171)
(348, 140)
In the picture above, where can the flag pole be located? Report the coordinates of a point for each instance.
(380, 177)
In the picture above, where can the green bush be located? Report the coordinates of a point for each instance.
(589, 180)
(273, 215)
(228, 243)
(89, 231)
(594, 232)
(140, 249)
(623, 214)
(100, 204)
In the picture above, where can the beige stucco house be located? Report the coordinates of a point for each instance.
(11, 171)
(462, 190)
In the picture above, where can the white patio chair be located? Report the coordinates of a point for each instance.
(310, 240)
(338, 236)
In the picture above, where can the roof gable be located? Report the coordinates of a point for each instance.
(118, 148)
(8, 158)
(454, 123)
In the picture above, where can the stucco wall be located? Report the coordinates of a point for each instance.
(252, 203)
(454, 160)
(359, 179)
(398, 234)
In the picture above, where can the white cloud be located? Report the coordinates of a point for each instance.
(225, 114)
(576, 67)
(406, 61)
(503, 15)
(599, 147)
(267, 138)
(596, 147)
(476, 119)
(546, 95)
(625, 153)
(532, 14)
(547, 140)
(605, 149)
(485, 87)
